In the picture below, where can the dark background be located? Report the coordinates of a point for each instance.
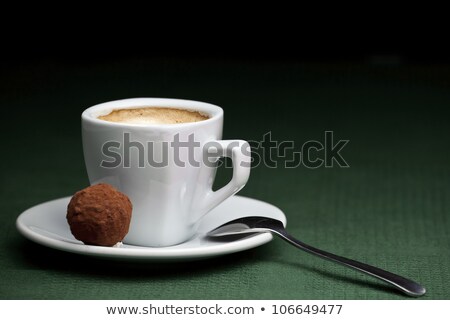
(390, 208)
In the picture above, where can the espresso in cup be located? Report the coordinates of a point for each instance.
(154, 115)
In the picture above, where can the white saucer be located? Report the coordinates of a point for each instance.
(46, 224)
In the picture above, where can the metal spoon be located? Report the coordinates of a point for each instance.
(264, 224)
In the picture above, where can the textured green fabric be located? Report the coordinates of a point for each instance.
(389, 209)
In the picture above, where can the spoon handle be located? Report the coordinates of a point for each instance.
(407, 286)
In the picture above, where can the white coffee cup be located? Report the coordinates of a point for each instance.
(168, 200)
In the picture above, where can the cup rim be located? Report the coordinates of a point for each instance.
(92, 113)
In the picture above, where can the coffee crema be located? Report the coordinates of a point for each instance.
(154, 115)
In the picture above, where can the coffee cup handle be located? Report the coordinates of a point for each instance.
(239, 152)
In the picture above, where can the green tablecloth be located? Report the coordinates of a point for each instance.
(390, 208)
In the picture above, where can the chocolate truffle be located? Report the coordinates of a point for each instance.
(99, 215)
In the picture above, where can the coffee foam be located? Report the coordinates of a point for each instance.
(153, 115)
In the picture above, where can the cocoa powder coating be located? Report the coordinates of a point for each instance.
(99, 215)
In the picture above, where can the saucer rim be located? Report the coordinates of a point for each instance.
(140, 252)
